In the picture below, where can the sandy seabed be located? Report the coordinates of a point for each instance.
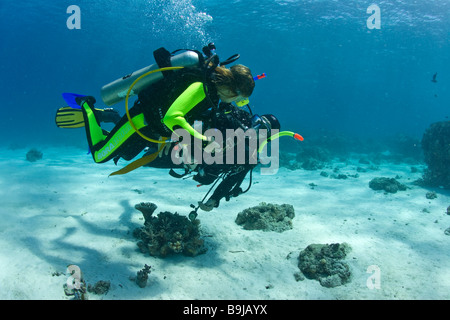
(64, 210)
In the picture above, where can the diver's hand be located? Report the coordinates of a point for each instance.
(209, 205)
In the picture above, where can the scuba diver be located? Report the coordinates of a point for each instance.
(172, 94)
(173, 101)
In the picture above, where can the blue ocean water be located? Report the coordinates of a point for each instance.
(326, 69)
(331, 76)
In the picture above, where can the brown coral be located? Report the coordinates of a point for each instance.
(168, 233)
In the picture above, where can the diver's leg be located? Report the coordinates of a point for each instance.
(94, 133)
(105, 146)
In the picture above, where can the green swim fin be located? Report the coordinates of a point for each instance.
(68, 117)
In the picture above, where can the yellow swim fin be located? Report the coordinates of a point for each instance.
(68, 117)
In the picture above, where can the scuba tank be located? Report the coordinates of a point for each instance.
(116, 91)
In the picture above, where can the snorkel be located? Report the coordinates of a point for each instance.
(260, 76)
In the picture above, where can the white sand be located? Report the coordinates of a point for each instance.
(65, 210)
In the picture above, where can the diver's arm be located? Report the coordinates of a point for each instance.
(174, 117)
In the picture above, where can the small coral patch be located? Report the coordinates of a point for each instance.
(168, 233)
(267, 217)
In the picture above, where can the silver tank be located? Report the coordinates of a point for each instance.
(116, 91)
